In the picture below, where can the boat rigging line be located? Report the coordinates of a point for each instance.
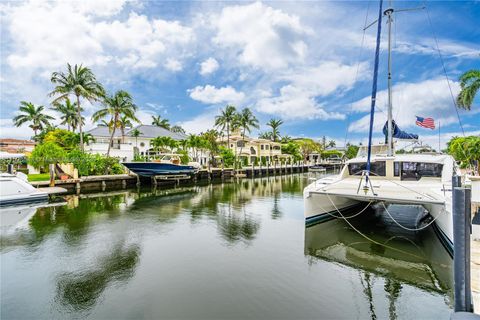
(356, 76)
(443, 67)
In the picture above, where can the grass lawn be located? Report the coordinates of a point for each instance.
(39, 177)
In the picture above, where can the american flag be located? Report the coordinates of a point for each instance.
(425, 122)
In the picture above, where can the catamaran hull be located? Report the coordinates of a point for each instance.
(320, 207)
(443, 224)
(150, 169)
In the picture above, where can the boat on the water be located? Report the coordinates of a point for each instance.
(15, 189)
(422, 179)
(317, 168)
(380, 176)
(168, 164)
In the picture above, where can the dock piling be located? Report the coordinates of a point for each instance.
(461, 244)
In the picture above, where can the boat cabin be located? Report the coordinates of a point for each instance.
(404, 167)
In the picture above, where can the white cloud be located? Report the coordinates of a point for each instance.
(429, 98)
(200, 123)
(294, 103)
(49, 34)
(211, 95)
(208, 66)
(298, 99)
(428, 47)
(262, 36)
(99, 7)
(173, 65)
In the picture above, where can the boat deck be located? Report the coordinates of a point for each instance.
(412, 192)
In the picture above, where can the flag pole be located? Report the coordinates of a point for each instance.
(439, 151)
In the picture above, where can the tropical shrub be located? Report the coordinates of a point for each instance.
(352, 151)
(466, 150)
(184, 158)
(64, 138)
(46, 153)
(331, 153)
(293, 149)
(94, 164)
(227, 156)
(139, 158)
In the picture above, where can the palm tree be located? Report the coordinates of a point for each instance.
(331, 143)
(195, 142)
(68, 113)
(105, 123)
(177, 129)
(246, 121)
(81, 82)
(226, 119)
(159, 122)
(163, 141)
(32, 114)
(123, 123)
(469, 84)
(265, 135)
(118, 105)
(210, 137)
(136, 133)
(286, 139)
(275, 124)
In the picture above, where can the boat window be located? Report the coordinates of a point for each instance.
(417, 170)
(377, 168)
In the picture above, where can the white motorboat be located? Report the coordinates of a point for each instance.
(14, 189)
(379, 176)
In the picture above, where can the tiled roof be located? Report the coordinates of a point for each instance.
(147, 131)
(103, 131)
(17, 141)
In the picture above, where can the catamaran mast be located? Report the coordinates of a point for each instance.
(374, 93)
(389, 13)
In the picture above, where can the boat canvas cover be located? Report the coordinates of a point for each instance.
(397, 133)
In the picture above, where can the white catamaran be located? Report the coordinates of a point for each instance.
(378, 175)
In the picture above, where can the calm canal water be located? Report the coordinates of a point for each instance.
(232, 250)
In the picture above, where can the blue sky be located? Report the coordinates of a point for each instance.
(303, 62)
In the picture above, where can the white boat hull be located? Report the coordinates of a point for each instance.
(325, 197)
(321, 207)
(14, 190)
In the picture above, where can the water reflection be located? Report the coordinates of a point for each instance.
(235, 247)
(80, 290)
(416, 259)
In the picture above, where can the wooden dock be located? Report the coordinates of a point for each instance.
(123, 181)
(53, 190)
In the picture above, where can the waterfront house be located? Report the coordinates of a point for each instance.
(16, 145)
(125, 147)
(250, 150)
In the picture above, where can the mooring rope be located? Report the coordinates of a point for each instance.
(406, 228)
(368, 238)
